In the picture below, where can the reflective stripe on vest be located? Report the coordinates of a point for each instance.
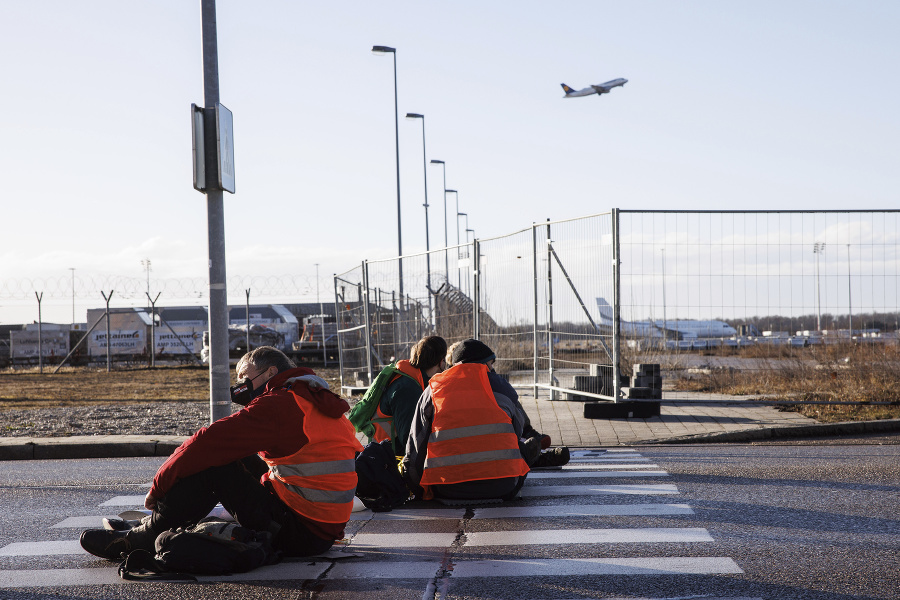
(472, 458)
(312, 469)
(322, 496)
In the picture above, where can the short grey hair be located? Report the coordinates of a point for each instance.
(264, 357)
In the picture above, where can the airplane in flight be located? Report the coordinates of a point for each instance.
(600, 88)
(682, 328)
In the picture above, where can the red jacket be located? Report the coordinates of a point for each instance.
(271, 426)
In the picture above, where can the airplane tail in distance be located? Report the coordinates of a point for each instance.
(606, 311)
(566, 88)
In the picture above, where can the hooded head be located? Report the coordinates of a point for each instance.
(471, 351)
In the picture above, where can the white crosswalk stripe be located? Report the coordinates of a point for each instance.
(593, 474)
(594, 490)
(376, 549)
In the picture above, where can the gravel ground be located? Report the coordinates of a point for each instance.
(146, 418)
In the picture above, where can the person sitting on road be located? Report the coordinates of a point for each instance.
(464, 441)
(398, 403)
(284, 464)
(535, 446)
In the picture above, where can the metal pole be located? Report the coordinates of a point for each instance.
(458, 270)
(337, 332)
(108, 359)
(476, 274)
(364, 298)
(665, 322)
(817, 250)
(535, 297)
(395, 316)
(617, 390)
(73, 294)
(427, 234)
(153, 328)
(321, 319)
(40, 334)
(219, 396)
(849, 295)
(549, 311)
(248, 318)
(378, 320)
(446, 239)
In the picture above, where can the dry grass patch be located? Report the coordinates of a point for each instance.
(862, 374)
(75, 386)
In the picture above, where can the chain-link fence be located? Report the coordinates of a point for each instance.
(776, 304)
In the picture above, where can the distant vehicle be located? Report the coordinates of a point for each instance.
(600, 88)
(682, 328)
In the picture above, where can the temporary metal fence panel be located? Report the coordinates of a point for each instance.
(728, 303)
(772, 304)
(575, 267)
(351, 329)
(506, 316)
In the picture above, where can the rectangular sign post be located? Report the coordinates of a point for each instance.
(218, 159)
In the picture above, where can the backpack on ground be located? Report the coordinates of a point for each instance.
(362, 412)
(212, 547)
(380, 486)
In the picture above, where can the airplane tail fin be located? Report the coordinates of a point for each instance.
(566, 88)
(606, 311)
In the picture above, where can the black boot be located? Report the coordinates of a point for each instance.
(114, 545)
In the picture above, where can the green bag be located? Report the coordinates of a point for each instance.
(361, 414)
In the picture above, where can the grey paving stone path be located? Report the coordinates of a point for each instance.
(565, 423)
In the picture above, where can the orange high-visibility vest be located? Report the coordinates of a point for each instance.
(471, 437)
(384, 424)
(319, 480)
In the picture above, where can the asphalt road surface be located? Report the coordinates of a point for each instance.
(735, 522)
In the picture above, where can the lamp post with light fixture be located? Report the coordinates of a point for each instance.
(393, 52)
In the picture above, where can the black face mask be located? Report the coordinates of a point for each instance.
(243, 393)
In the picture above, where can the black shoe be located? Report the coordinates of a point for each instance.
(531, 450)
(554, 457)
(114, 545)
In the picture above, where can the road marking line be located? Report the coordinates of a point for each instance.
(124, 501)
(692, 597)
(592, 490)
(401, 540)
(593, 474)
(82, 522)
(586, 510)
(588, 536)
(21, 578)
(520, 567)
(598, 467)
(54, 548)
(598, 461)
(413, 514)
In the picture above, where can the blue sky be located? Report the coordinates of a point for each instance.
(762, 105)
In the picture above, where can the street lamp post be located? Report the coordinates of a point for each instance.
(413, 117)
(446, 242)
(849, 295)
(818, 249)
(393, 52)
(73, 294)
(458, 276)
